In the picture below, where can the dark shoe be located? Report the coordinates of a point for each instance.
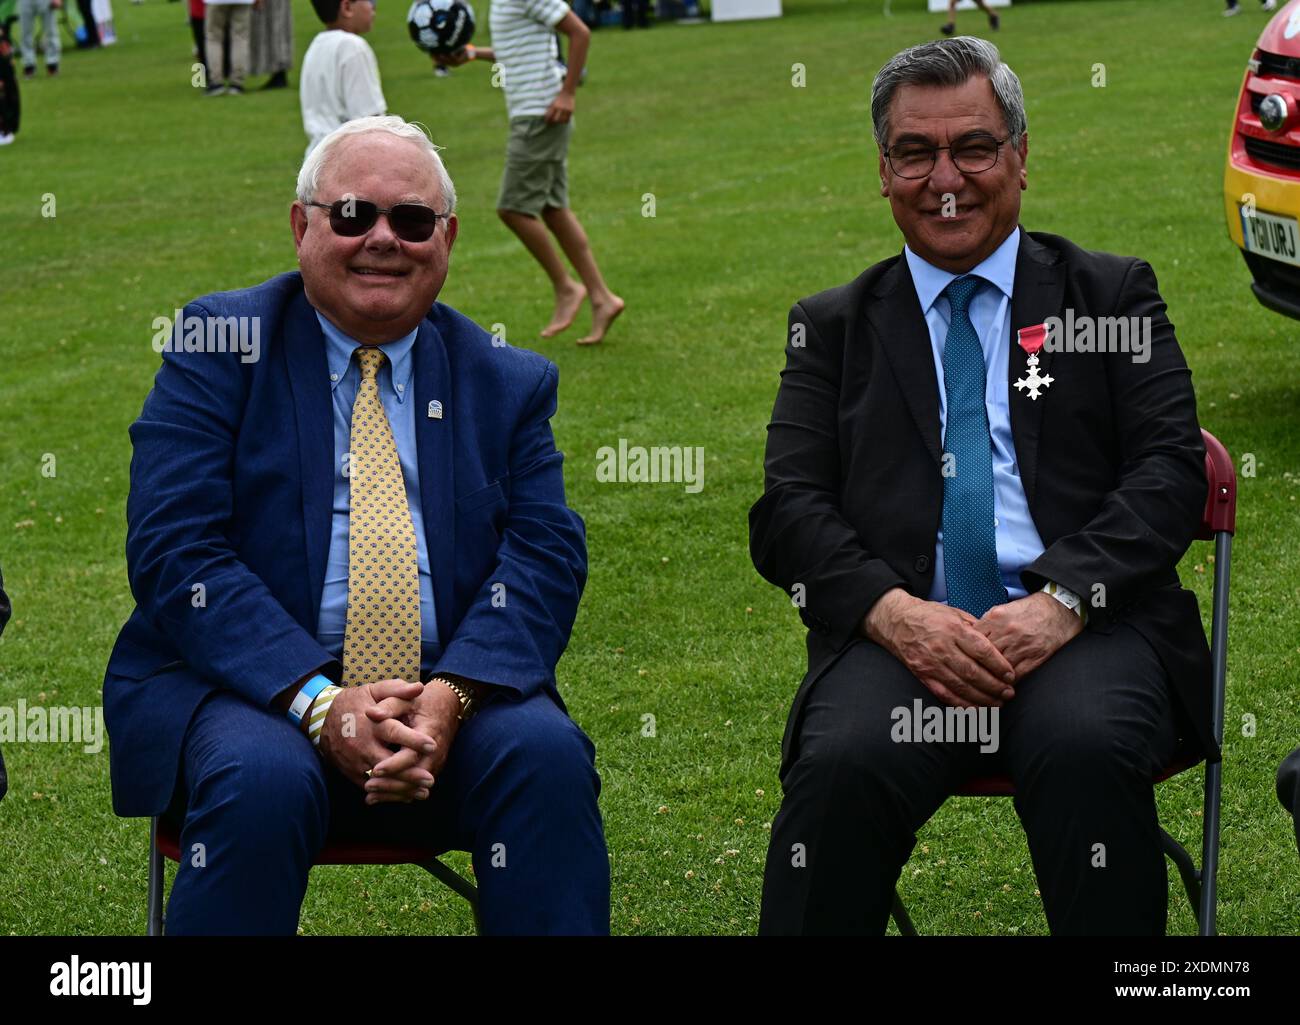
(994, 21)
(29, 71)
(215, 90)
(51, 69)
(235, 90)
(279, 80)
(947, 30)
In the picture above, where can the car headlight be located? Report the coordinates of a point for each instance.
(1275, 111)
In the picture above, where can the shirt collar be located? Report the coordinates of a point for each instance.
(998, 268)
(340, 346)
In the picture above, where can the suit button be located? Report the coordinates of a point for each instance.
(921, 564)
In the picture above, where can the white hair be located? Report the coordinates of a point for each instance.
(412, 131)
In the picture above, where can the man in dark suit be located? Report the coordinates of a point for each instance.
(967, 526)
(364, 489)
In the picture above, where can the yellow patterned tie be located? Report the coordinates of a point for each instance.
(382, 641)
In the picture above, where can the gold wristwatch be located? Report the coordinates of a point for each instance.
(468, 698)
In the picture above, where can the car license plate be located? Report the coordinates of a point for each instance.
(1269, 235)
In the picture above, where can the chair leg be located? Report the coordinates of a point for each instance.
(1186, 870)
(454, 880)
(1207, 916)
(155, 927)
(1214, 772)
(901, 918)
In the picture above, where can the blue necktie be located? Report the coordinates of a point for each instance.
(970, 548)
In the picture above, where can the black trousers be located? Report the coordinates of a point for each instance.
(635, 13)
(88, 20)
(200, 44)
(10, 102)
(1081, 740)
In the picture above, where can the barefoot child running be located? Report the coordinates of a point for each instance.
(534, 200)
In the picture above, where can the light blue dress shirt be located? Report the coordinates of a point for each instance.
(990, 313)
(395, 381)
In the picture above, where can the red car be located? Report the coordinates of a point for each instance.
(1261, 185)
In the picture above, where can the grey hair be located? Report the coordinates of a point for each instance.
(948, 62)
(412, 131)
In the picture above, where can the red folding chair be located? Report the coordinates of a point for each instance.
(164, 841)
(1218, 523)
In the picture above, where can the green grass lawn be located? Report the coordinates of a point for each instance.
(764, 193)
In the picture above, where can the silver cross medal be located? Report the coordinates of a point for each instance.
(1031, 340)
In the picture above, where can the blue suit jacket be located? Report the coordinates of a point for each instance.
(231, 488)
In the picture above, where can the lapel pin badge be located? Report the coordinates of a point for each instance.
(435, 410)
(1031, 339)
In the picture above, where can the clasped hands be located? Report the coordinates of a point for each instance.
(964, 661)
(364, 722)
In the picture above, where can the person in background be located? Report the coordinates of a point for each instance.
(272, 42)
(9, 104)
(340, 77)
(534, 197)
(28, 12)
(103, 12)
(1235, 8)
(635, 13)
(196, 28)
(951, 25)
(218, 15)
(89, 38)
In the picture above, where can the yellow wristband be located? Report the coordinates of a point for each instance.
(320, 709)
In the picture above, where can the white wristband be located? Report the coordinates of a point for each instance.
(305, 696)
(1068, 598)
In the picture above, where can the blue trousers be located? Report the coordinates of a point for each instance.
(519, 791)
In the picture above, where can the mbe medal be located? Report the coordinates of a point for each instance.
(1031, 340)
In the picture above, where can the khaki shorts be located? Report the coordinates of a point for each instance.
(536, 174)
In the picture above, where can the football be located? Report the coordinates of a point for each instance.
(440, 26)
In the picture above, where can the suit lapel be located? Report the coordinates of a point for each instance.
(435, 450)
(1036, 295)
(304, 347)
(897, 321)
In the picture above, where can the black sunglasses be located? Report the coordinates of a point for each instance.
(410, 222)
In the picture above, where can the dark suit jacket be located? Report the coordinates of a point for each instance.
(232, 488)
(1110, 456)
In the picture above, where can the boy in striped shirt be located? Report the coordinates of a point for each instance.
(534, 188)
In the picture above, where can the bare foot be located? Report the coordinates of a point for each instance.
(567, 303)
(602, 315)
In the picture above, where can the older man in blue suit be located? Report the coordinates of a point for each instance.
(354, 572)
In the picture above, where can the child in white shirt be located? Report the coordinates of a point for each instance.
(340, 77)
